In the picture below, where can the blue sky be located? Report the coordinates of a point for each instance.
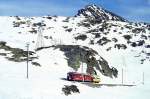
(133, 10)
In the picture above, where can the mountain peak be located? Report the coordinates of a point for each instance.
(99, 13)
(93, 6)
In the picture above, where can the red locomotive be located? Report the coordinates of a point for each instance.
(74, 76)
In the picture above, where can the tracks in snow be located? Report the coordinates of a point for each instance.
(97, 85)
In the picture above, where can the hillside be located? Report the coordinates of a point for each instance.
(93, 34)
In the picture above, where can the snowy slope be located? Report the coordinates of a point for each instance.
(46, 81)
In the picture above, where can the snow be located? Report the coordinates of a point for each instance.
(46, 82)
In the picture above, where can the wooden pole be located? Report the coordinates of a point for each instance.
(81, 66)
(124, 64)
(143, 78)
(27, 60)
(122, 76)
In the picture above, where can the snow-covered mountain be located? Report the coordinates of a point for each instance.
(114, 44)
(99, 13)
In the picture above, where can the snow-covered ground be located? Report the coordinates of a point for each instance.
(46, 82)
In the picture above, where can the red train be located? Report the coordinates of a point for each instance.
(74, 76)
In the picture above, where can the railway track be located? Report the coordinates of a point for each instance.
(97, 85)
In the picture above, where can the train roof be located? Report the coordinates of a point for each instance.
(77, 73)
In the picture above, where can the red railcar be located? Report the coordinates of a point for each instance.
(74, 76)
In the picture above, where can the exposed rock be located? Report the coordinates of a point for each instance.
(81, 37)
(98, 13)
(69, 89)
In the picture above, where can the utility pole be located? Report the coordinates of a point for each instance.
(40, 40)
(27, 60)
(124, 64)
(81, 63)
(122, 76)
(143, 78)
(81, 66)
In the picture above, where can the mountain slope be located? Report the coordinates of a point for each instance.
(98, 13)
(115, 42)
